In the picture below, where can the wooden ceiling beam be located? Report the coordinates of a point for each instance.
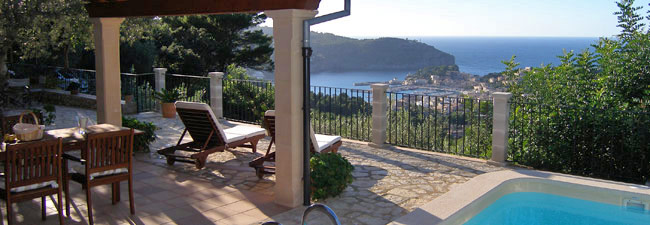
(146, 8)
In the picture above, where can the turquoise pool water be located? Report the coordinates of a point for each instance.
(540, 208)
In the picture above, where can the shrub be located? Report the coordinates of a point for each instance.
(168, 96)
(141, 142)
(330, 175)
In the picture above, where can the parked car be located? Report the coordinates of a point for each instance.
(71, 76)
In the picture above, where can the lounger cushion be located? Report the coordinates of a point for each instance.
(314, 141)
(269, 113)
(52, 184)
(204, 107)
(232, 137)
(247, 131)
(325, 141)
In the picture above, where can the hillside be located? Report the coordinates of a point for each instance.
(334, 53)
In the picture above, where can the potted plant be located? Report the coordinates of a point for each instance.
(73, 87)
(167, 99)
(128, 95)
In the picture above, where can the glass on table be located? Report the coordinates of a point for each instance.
(82, 123)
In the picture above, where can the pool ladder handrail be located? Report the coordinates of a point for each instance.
(318, 207)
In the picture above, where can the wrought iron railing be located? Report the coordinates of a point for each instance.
(583, 140)
(335, 111)
(455, 125)
(342, 112)
(192, 88)
(247, 100)
(141, 88)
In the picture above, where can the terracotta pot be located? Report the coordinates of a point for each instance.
(128, 98)
(169, 110)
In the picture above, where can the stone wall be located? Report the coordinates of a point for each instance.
(64, 98)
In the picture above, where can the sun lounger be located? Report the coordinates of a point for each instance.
(320, 144)
(208, 135)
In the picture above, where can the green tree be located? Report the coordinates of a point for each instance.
(202, 43)
(138, 48)
(16, 18)
(589, 114)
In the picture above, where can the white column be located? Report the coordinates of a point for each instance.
(501, 117)
(216, 93)
(287, 36)
(107, 63)
(379, 108)
(159, 75)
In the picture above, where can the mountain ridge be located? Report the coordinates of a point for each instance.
(333, 53)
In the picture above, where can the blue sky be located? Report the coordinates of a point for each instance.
(536, 18)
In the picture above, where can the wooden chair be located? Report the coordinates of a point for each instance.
(320, 144)
(106, 158)
(32, 170)
(208, 136)
(9, 121)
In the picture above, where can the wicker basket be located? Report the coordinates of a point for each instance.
(26, 131)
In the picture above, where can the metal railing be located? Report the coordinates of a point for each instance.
(140, 86)
(192, 88)
(342, 112)
(596, 142)
(455, 125)
(334, 111)
(247, 100)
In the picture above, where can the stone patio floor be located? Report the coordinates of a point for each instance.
(389, 182)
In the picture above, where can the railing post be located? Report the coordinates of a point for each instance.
(159, 74)
(500, 120)
(216, 93)
(159, 83)
(379, 108)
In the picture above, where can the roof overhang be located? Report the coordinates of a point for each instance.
(146, 8)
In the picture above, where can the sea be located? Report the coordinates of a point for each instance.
(474, 55)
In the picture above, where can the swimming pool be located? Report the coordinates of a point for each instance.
(542, 208)
(535, 197)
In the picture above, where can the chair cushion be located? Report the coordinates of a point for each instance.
(204, 107)
(52, 183)
(269, 113)
(325, 141)
(77, 167)
(248, 131)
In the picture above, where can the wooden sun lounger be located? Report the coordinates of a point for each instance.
(208, 135)
(320, 144)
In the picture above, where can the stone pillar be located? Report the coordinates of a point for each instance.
(107, 63)
(501, 118)
(159, 74)
(216, 93)
(379, 108)
(287, 36)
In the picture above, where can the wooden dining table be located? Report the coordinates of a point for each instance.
(73, 139)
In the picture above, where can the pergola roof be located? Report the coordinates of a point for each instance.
(141, 8)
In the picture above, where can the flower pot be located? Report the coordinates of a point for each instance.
(128, 98)
(168, 110)
(74, 92)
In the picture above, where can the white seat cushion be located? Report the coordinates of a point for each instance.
(232, 137)
(204, 107)
(325, 141)
(53, 184)
(248, 131)
(77, 167)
